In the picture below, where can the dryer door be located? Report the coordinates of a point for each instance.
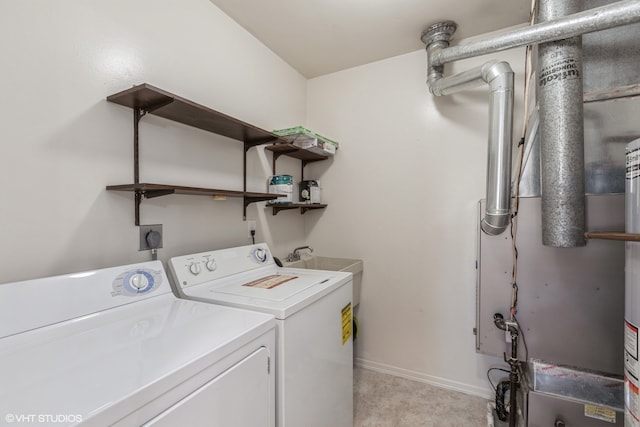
(238, 397)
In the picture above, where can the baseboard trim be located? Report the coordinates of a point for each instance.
(424, 378)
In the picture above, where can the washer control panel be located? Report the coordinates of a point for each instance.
(203, 267)
(137, 281)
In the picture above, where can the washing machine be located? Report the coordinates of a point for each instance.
(115, 347)
(314, 356)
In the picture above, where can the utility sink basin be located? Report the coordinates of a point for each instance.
(333, 264)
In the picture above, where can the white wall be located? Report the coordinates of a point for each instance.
(62, 142)
(402, 193)
(402, 190)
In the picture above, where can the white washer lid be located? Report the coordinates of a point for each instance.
(102, 366)
(282, 301)
(275, 287)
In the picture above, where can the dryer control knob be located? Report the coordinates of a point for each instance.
(211, 264)
(138, 281)
(194, 268)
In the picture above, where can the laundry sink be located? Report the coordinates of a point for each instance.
(333, 264)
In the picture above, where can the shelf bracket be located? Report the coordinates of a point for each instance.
(140, 195)
(138, 199)
(303, 208)
(150, 194)
(138, 113)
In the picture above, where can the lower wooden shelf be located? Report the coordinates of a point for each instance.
(302, 206)
(149, 191)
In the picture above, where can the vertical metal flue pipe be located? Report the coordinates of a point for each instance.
(499, 77)
(561, 132)
(498, 206)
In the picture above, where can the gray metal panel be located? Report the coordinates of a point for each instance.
(608, 127)
(610, 63)
(545, 410)
(571, 300)
(610, 56)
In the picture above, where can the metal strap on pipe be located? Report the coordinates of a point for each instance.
(596, 19)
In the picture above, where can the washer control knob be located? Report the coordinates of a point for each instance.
(260, 255)
(138, 281)
(194, 268)
(211, 264)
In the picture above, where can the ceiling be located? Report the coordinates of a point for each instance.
(324, 36)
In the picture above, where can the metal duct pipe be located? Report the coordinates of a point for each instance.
(560, 96)
(596, 19)
(561, 212)
(499, 76)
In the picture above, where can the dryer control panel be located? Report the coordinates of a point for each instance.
(136, 281)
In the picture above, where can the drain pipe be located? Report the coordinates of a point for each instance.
(499, 76)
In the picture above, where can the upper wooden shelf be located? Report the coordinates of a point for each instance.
(169, 106)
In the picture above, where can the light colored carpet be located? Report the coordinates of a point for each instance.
(383, 400)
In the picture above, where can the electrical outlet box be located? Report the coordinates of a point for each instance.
(251, 226)
(150, 237)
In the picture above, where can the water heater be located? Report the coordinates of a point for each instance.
(632, 288)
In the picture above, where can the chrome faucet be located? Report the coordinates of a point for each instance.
(295, 255)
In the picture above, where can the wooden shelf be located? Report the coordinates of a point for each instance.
(302, 206)
(291, 150)
(152, 100)
(156, 190)
(146, 99)
(305, 156)
(148, 191)
(612, 235)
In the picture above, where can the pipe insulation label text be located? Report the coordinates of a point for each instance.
(565, 69)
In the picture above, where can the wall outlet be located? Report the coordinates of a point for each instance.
(150, 237)
(251, 226)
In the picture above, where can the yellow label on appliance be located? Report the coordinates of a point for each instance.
(600, 413)
(346, 323)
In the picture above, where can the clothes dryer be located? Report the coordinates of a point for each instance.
(115, 347)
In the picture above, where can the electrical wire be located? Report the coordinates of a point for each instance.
(516, 205)
(504, 386)
(489, 378)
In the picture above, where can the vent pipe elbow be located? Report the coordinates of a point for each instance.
(494, 224)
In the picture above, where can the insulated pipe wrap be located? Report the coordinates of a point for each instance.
(560, 96)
